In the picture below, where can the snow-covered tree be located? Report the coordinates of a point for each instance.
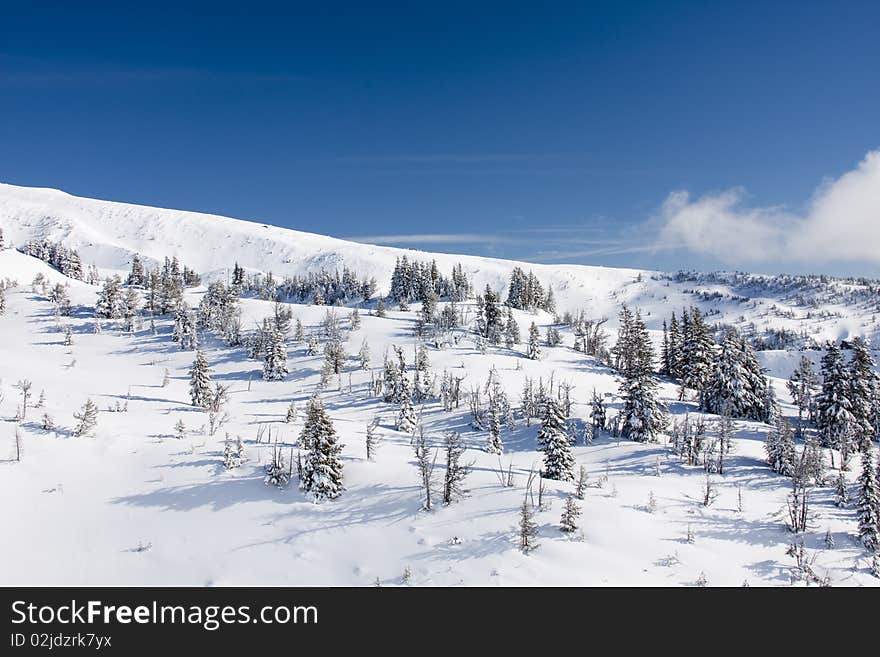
(511, 330)
(275, 363)
(864, 389)
(528, 528)
(87, 419)
(364, 355)
(109, 299)
(290, 416)
(643, 416)
(570, 513)
(200, 381)
(834, 417)
(553, 441)
(321, 473)
(534, 342)
(802, 387)
(456, 471)
(869, 502)
(406, 416)
(779, 446)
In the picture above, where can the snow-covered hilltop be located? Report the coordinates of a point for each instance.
(164, 427)
(108, 234)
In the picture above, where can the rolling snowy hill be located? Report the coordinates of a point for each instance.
(141, 502)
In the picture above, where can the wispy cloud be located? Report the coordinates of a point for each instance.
(434, 238)
(841, 223)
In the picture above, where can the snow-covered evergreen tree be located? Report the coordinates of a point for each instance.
(779, 446)
(528, 528)
(275, 362)
(643, 416)
(553, 441)
(864, 389)
(511, 330)
(321, 473)
(534, 342)
(109, 299)
(570, 513)
(87, 419)
(406, 416)
(802, 387)
(834, 418)
(200, 381)
(290, 416)
(869, 502)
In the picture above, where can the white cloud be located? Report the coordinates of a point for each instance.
(840, 224)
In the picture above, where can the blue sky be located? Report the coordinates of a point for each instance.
(554, 132)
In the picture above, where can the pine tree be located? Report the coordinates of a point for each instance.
(534, 342)
(864, 388)
(321, 473)
(87, 419)
(406, 417)
(511, 330)
(570, 513)
(869, 502)
(109, 299)
(364, 355)
(291, 413)
(456, 471)
(643, 416)
(697, 349)
(137, 275)
(841, 492)
(528, 528)
(802, 386)
(553, 441)
(834, 419)
(275, 363)
(598, 414)
(200, 381)
(779, 446)
(180, 430)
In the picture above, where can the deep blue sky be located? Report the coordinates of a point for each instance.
(442, 118)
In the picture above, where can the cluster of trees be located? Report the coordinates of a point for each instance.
(412, 280)
(65, 260)
(847, 407)
(219, 312)
(163, 286)
(525, 292)
(727, 378)
(323, 287)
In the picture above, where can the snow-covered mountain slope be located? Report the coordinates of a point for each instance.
(139, 501)
(107, 234)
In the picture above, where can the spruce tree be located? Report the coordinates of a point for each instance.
(528, 528)
(406, 417)
(696, 352)
(534, 342)
(554, 443)
(802, 387)
(570, 513)
(275, 363)
(869, 502)
(87, 419)
(779, 446)
(643, 416)
(200, 381)
(321, 473)
(834, 418)
(864, 388)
